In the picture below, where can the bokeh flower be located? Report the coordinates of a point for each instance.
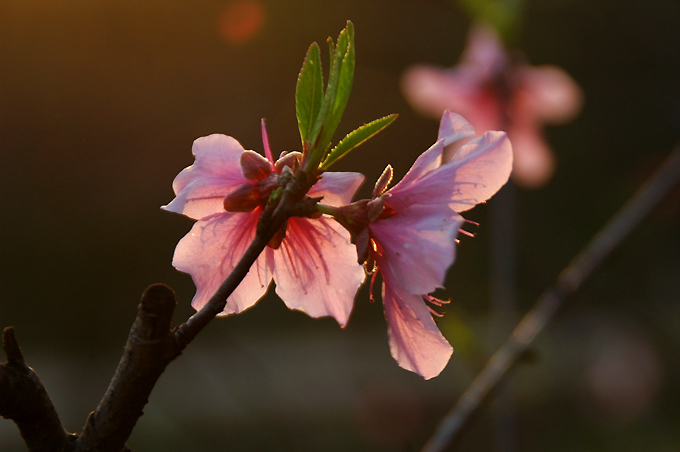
(496, 93)
(312, 259)
(407, 233)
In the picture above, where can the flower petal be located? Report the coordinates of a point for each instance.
(452, 128)
(477, 171)
(484, 52)
(549, 94)
(431, 90)
(426, 162)
(315, 269)
(417, 245)
(211, 250)
(201, 187)
(415, 341)
(265, 142)
(534, 161)
(336, 188)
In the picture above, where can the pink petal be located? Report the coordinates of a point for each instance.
(418, 245)
(211, 250)
(477, 171)
(534, 161)
(315, 269)
(452, 128)
(431, 90)
(201, 187)
(484, 52)
(549, 94)
(415, 341)
(465, 88)
(426, 162)
(337, 189)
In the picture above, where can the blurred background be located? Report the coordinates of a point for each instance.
(100, 102)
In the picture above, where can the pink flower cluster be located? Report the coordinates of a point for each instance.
(495, 93)
(405, 233)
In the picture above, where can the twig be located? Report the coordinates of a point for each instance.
(147, 352)
(24, 400)
(571, 278)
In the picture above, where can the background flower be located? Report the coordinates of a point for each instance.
(496, 93)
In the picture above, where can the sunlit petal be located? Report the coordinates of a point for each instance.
(337, 189)
(415, 341)
(211, 250)
(477, 171)
(201, 187)
(315, 269)
(418, 245)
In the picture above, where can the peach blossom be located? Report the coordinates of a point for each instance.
(313, 265)
(495, 93)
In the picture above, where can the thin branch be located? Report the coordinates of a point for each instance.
(147, 353)
(24, 400)
(573, 276)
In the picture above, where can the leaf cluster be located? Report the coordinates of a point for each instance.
(319, 110)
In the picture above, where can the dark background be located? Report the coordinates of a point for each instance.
(99, 104)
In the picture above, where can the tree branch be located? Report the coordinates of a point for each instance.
(148, 351)
(24, 400)
(570, 280)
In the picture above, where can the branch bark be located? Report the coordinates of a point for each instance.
(148, 351)
(24, 400)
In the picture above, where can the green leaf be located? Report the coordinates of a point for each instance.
(343, 87)
(340, 75)
(357, 138)
(309, 93)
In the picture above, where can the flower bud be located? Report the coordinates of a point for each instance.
(254, 166)
(275, 241)
(244, 199)
(383, 181)
(290, 159)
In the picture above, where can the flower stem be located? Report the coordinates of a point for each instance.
(328, 210)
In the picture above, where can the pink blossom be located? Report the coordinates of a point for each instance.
(313, 265)
(408, 232)
(494, 93)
